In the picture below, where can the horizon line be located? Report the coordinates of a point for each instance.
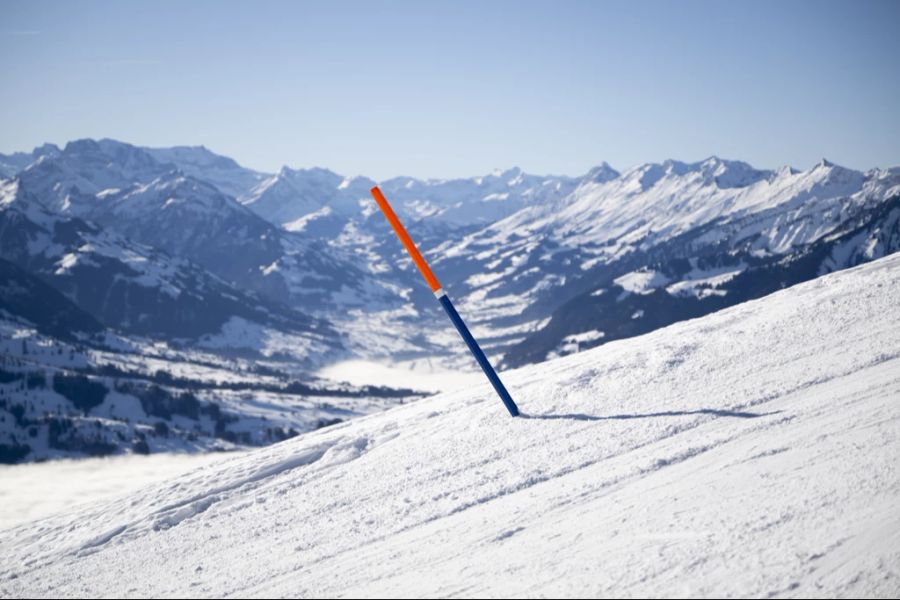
(492, 172)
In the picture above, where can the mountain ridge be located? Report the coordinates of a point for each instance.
(512, 247)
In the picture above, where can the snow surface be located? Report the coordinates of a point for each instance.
(35, 490)
(752, 452)
(254, 403)
(414, 374)
(703, 282)
(641, 282)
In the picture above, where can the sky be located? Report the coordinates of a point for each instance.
(453, 89)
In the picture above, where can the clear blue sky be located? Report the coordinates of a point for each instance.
(441, 89)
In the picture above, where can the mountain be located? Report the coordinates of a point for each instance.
(522, 254)
(192, 219)
(687, 277)
(293, 197)
(11, 164)
(513, 274)
(527, 258)
(132, 287)
(50, 312)
(70, 388)
(338, 212)
(66, 180)
(127, 190)
(746, 453)
(201, 163)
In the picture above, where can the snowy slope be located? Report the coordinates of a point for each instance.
(108, 393)
(752, 452)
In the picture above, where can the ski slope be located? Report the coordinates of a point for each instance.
(752, 452)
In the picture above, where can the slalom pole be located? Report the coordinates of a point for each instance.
(444, 299)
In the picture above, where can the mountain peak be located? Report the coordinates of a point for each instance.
(601, 173)
(46, 148)
(713, 162)
(825, 164)
(730, 173)
(120, 152)
(510, 173)
(81, 145)
(315, 171)
(785, 171)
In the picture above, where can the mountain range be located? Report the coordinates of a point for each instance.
(182, 247)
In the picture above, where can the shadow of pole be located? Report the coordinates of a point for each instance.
(668, 413)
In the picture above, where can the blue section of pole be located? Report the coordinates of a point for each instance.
(479, 355)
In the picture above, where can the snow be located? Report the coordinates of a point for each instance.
(272, 268)
(751, 452)
(33, 491)
(641, 282)
(238, 332)
(701, 283)
(250, 393)
(66, 263)
(301, 223)
(418, 375)
(587, 336)
(293, 198)
(572, 343)
(608, 217)
(510, 246)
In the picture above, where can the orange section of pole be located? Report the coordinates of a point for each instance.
(407, 241)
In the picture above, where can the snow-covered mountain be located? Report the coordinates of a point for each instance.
(89, 391)
(201, 163)
(522, 254)
(127, 190)
(41, 305)
(108, 346)
(11, 164)
(749, 453)
(294, 198)
(706, 220)
(526, 257)
(66, 180)
(734, 257)
(129, 286)
(339, 212)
